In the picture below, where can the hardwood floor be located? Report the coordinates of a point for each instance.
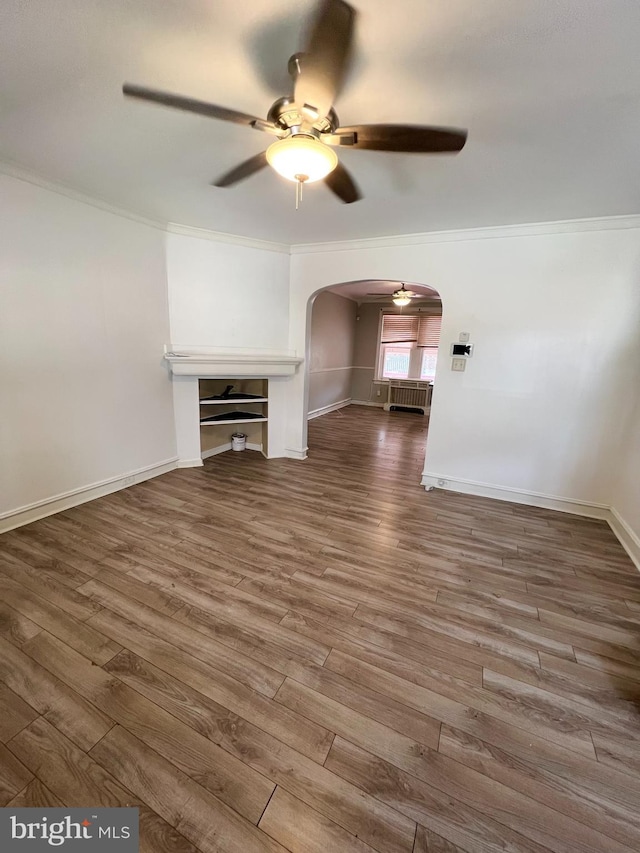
(320, 656)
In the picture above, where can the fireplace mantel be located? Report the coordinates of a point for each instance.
(205, 362)
(190, 364)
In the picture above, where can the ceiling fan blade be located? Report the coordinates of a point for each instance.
(342, 184)
(190, 105)
(409, 293)
(323, 62)
(244, 170)
(405, 137)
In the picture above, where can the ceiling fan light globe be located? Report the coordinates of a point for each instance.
(401, 300)
(301, 155)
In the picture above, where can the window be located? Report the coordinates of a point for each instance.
(428, 363)
(395, 361)
(409, 346)
(428, 341)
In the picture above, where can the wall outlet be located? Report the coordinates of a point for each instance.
(458, 364)
(463, 337)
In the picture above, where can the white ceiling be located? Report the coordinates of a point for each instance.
(548, 90)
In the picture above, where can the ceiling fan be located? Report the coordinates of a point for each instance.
(305, 123)
(402, 296)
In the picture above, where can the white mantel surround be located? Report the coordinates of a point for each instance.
(188, 364)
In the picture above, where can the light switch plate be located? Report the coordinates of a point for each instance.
(458, 364)
(463, 337)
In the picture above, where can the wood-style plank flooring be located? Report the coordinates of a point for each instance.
(320, 656)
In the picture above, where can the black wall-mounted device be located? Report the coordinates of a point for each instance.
(461, 349)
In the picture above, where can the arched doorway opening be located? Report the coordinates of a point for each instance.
(366, 353)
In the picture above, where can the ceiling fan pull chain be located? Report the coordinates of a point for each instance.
(300, 179)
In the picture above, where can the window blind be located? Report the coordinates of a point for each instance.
(429, 331)
(407, 328)
(399, 328)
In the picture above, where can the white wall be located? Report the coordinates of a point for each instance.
(225, 295)
(626, 489)
(83, 316)
(331, 350)
(626, 473)
(549, 316)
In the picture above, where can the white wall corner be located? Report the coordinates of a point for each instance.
(58, 503)
(628, 538)
(189, 463)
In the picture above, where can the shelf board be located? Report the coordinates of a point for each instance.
(233, 402)
(234, 421)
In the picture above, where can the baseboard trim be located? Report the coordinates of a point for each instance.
(627, 537)
(520, 496)
(189, 463)
(622, 530)
(49, 506)
(367, 403)
(295, 454)
(332, 407)
(215, 451)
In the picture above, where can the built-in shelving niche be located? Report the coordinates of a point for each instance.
(215, 436)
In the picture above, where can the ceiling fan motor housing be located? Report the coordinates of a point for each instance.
(286, 114)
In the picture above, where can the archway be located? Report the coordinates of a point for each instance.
(389, 366)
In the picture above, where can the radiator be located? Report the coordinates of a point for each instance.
(413, 395)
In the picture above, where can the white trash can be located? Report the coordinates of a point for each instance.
(238, 441)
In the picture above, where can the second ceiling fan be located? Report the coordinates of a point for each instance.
(305, 123)
(402, 296)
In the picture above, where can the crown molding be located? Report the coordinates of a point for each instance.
(12, 170)
(493, 232)
(223, 237)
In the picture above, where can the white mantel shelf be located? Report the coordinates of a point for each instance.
(221, 365)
